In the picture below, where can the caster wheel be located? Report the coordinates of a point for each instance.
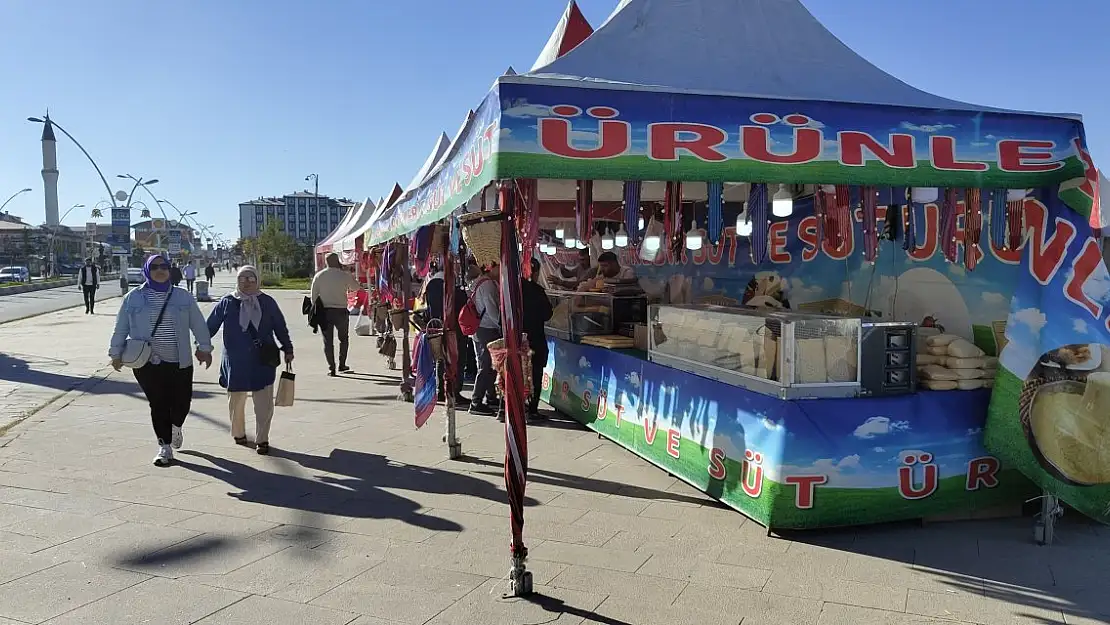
(523, 586)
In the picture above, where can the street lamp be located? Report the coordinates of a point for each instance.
(145, 184)
(53, 234)
(13, 196)
(53, 123)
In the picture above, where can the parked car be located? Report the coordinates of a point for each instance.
(135, 275)
(15, 274)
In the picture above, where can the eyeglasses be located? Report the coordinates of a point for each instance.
(159, 266)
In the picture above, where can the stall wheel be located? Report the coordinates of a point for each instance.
(1044, 524)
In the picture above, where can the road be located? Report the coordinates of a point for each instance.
(22, 305)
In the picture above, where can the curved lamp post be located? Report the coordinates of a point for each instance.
(145, 184)
(53, 123)
(53, 234)
(13, 196)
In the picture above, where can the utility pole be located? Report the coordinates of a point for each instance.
(316, 196)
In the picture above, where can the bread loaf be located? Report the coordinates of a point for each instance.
(940, 340)
(939, 350)
(929, 359)
(840, 359)
(962, 348)
(937, 372)
(953, 362)
(940, 385)
(968, 374)
(969, 385)
(810, 362)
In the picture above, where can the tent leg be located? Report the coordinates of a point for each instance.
(1044, 526)
(520, 579)
(454, 445)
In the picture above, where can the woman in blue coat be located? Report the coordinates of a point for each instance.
(251, 320)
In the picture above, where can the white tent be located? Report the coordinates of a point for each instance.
(775, 49)
(333, 236)
(572, 29)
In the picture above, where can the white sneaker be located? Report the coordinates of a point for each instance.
(178, 439)
(164, 457)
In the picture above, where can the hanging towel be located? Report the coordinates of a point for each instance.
(973, 226)
(632, 189)
(716, 200)
(424, 372)
(757, 210)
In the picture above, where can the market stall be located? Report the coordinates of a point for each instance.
(832, 249)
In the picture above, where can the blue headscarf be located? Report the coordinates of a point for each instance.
(161, 287)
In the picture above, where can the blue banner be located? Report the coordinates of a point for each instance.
(120, 238)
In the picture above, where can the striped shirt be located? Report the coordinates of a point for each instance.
(163, 344)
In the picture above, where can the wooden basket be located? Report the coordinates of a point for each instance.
(434, 334)
(398, 317)
(482, 233)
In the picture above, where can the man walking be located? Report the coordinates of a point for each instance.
(210, 274)
(190, 273)
(89, 280)
(533, 298)
(329, 288)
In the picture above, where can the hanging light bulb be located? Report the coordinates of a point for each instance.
(640, 224)
(924, 195)
(569, 239)
(559, 231)
(743, 225)
(582, 245)
(782, 204)
(549, 249)
(607, 240)
(621, 238)
(694, 239)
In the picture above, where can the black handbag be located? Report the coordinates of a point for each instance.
(268, 353)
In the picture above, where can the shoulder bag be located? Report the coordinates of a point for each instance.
(268, 353)
(136, 352)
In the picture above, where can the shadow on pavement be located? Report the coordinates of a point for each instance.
(588, 484)
(181, 552)
(558, 606)
(20, 369)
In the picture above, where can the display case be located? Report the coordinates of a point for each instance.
(577, 314)
(786, 354)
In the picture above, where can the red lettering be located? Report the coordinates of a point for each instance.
(926, 250)
(717, 464)
(615, 139)
(806, 486)
(674, 437)
(910, 490)
(650, 430)
(982, 471)
(620, 414)
(587, 398)
(731, 234)
(566, 390)
(602, 405)
(665, 140)
(1026, 156)
(899, 154)
(546, 381)
(807, 234)
(755, 143)
(1089, 259)
(944, 156)
(752, 468)
(1046, 256)
(777, 240)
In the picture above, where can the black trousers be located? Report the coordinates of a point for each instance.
(336, 321)
(90, 297)
(169, 391)
(539, 361)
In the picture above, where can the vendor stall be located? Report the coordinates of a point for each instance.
(837, 268)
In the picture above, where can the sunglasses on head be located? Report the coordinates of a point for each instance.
(157, 266)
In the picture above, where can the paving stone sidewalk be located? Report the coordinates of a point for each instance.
(358, 518)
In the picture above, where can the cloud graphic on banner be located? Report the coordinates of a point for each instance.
(880, 426)
(801, 293)
(1080, 326)
(929, 128)
(846, 472)
(1097, 286)
(991, 298)
(879, 450)
(974, 431)
(633, 379)
(774, 426)
(583, 363)
(522, 109)
(1031, 318)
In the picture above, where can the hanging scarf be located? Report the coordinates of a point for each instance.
(842, 216)
(948, 214)
(385, 288)
(420, 250)
(250, 310)
(820, 212)
(1015, 213)
(632, 189)
(892, 223)
(716, 204)
(909, 223)
(998, 217)
(757, 210)
(973, 227)
(672, 217)
(424, 372)
(161, 287)
(869, 202)
(583, 210)
(528, 219)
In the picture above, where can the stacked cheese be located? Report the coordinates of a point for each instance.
(946, 362)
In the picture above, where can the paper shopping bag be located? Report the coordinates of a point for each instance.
(284, 395)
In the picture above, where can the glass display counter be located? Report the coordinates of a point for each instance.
(780, 353)
(577, 314)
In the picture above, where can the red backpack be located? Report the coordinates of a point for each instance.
(469, 317)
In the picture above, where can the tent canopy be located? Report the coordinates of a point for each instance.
(572, 29)
(751, 48)
(334, 236)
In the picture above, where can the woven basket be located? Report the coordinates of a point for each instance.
(437, 240)
(398, 317)
(482, 233)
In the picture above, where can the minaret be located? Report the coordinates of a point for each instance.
(50, 171)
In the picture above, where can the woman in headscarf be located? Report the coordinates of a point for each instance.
(251, 320)
(162, 317)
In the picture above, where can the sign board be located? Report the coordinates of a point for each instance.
(120, 237)
(175, 242)
(90, 229)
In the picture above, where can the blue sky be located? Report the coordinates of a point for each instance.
(225, 101)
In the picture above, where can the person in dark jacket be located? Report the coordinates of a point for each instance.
(210, 273)
(175, 275)
(534, 300)
(434, 299)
